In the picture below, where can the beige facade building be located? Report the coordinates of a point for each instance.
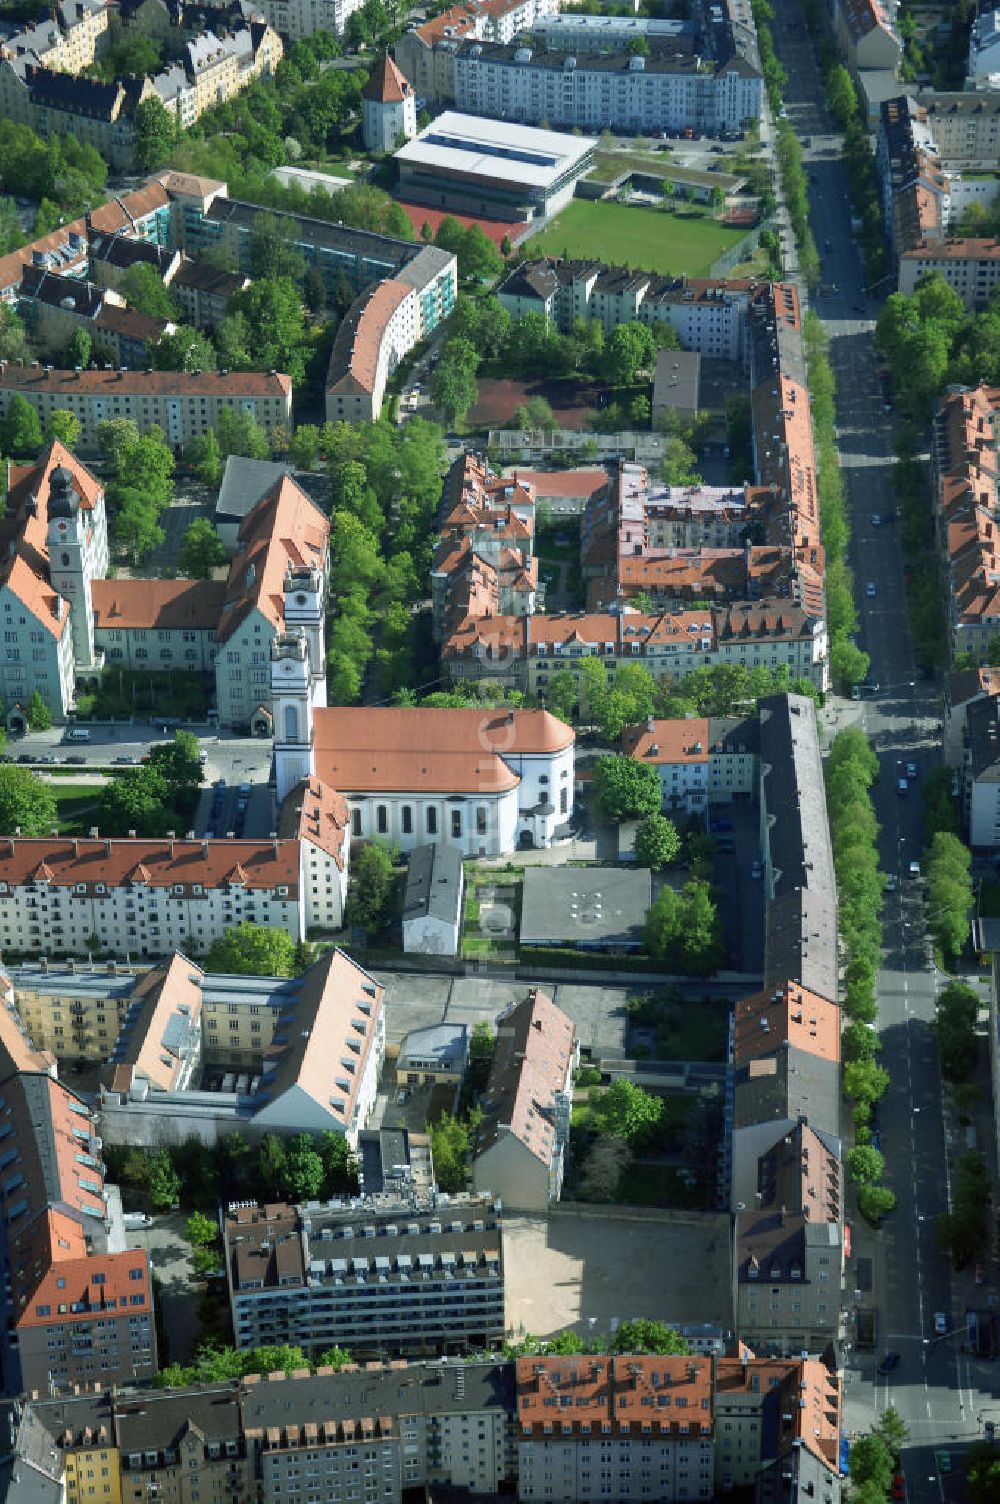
(185, 405)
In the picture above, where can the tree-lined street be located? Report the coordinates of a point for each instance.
(939, 1390)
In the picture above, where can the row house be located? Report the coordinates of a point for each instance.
(69, 38)
(629, 1427)
(128, 896)
(525, 652)
(74, 1310)
(709, 316)
(964, 488)
(184, 404)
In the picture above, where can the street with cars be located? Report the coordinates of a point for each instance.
(919, 1364)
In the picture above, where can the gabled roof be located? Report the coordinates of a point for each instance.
(420, 749)
(284, 529)
(324, 1035)
(164, 605)
(531, 1061)
(386, 84)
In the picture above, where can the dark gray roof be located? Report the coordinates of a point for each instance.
(789, 1084)
(734, 733)
(795, 795)
(205, 278)
(244, 482)
(446, 1044)
(155, 1419)
(982, 728)
(678, 379)
(800, 941)
(84, 298)
(123, 251)
(427, 1389)
(433, 884)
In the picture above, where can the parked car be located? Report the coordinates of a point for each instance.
(899, 1487)
(940, 1324)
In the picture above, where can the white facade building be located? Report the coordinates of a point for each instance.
(594, 91)
(485, 782)
(134, 897)
(296, 19)
(54, 540)
(388, 108)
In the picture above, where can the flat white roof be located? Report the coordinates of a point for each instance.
(495, 149)
(640, 26)
(303, 177)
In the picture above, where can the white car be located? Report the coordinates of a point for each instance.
(876, 520)
(890, 882)
(870, 590)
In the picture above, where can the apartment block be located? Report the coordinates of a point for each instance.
(700, 761)
(484, 564)
(964, 492)
(184, 404)
(800, 936)
(628, 1428)
(74, 1310)
(380, 1276)
(425, 52)
(490, 1427)
(970, 266)
(183, 1053)
(790, 1246)
(135, 897)
(673, 87)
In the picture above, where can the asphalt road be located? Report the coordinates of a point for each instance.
(938, 1390)
(237, 759)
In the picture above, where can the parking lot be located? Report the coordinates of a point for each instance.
(169, 1253)
(589, 1268)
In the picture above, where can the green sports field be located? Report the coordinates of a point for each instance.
(629, 235)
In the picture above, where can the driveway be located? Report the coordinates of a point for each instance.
(178, 1291)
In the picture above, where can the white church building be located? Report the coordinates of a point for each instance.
(486, 782)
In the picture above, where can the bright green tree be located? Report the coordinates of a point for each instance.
(373, 887)
(626, 789)
(25, 802)
(20, 430)
(253, 950)
(144, 290)
(657, 842)
(201, 550)
(38, 712)
(62, 425)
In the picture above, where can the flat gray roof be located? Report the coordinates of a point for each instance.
(588, 906)
(495, 150)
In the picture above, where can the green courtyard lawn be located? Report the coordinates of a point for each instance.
(77, 805)
(685, 241)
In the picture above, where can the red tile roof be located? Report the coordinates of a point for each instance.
(386, 84)
(284, 529)
(145, 383)
(418, 749)
(122, 862)
(166, 605)
(684, 742)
